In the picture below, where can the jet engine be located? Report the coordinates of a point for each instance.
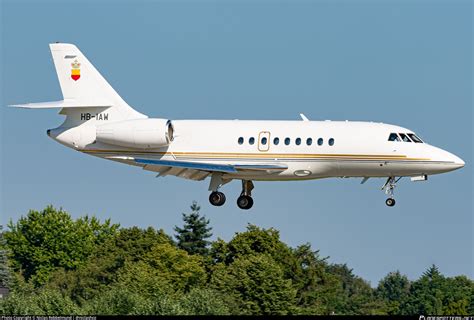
(139, 133)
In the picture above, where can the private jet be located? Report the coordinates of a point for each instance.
(100, 123)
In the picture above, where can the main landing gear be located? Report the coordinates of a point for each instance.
(389, 187)
(217, 198)
(245, 200)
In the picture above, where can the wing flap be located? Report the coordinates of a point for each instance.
(197, 170)
(211, 167)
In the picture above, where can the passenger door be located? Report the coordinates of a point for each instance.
(264, 141)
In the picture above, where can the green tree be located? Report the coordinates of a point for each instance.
(44, 302)
(256, 240)
(119, 300)
(175, 266)
(195, 232)
(317, 290)
(127, 246)
(46, 240)
(356, 295)
(201, 301)
(5, 276)
(459, 296)
(394, 289)
(256, 284)
(426, 294)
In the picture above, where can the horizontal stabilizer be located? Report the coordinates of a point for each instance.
(57, 104)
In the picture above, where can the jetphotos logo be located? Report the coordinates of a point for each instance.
(76, 70)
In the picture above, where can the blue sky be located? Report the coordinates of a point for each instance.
(402, 62)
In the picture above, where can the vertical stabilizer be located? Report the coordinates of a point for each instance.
(83, 86)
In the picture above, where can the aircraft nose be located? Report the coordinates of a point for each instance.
(457, 162)
(444, 161)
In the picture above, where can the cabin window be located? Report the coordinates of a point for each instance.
(241, 140)
(264, 141)
(287, 141)
(414, 138)
(252, 140)
(320, 141)
(276, 141)
(331, 142)
(405, 137)
(298, 141)
(393, 137)
(309, 141)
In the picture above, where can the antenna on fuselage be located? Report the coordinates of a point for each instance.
(303, 117)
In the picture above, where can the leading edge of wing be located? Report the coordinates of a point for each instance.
(227, 168)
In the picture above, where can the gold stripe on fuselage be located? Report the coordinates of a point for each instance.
(280, 156)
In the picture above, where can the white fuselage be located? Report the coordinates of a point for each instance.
(100, 123)
(360, 149)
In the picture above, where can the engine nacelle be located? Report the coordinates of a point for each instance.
(139, 133)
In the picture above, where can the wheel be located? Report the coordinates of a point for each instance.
(390, 202)
(217, 198)
(245, 202)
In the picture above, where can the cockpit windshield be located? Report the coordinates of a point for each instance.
(414, 138)
(405, 137)
(394, 137)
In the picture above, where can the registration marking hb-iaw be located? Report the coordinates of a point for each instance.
(97, 116)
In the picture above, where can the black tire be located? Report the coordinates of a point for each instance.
(217, 198)
(390, 202)
(245, 202)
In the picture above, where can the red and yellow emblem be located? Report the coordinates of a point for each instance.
(75, 71)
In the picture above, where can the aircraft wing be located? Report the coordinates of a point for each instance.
(197, 170)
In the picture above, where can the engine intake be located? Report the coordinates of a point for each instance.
(139, 133)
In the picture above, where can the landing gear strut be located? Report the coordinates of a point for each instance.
(245, 200)
(389, 187)
(216, 198)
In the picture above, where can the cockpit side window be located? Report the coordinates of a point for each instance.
(414, 138)
(405, 137)
(393, 137)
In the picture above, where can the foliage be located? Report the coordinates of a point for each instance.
(58, 265)
(394, 289)
(44, 302)
(128, 245)
(50, 239)
(435, 294)
(192, 237)
(257, 283)
(201, 301)
(5, 276)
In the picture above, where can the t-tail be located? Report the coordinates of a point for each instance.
(93, 109)
(84, 89)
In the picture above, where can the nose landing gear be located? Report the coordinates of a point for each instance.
(390, 202)
(389, 187)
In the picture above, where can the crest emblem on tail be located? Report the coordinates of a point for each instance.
(75, 71)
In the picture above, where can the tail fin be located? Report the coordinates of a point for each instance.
(82, 85)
